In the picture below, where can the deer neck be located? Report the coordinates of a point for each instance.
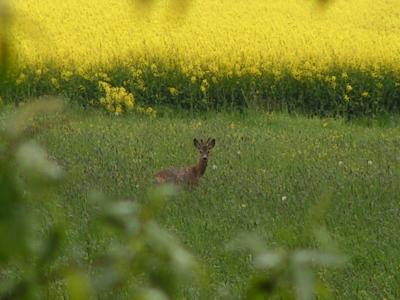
(201, 167)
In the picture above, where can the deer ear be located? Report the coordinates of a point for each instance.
(211, 144)
(196, 143)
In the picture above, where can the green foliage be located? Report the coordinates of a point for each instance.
(289, 274)
(335, 92)
(30, 250)
(25, 174)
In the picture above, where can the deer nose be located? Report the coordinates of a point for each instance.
(205, 157)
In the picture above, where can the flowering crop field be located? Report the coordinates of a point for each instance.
(292, 55)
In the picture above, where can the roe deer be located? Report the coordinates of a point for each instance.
(188, 175)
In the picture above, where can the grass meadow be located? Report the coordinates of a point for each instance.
(268, 174)
(302, 97)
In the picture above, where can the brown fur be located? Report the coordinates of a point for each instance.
(188, 175)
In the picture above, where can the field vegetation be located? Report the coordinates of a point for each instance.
(292, 56)
(293, 183)
(300, 199)
(286, 180)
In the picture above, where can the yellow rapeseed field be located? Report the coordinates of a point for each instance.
(219, 34)
(342, 59)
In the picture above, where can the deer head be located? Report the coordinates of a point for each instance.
(204, 148)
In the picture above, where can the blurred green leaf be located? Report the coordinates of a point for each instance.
(34, 162)
(247, 241)
(268, 260)
(304, 282)
(50, 246)
(157, 197)
(150, 294)
(123, 214)
(18, 123)
(162, 242)
(79, 286)
(302, 257)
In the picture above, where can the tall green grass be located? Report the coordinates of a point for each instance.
(266, 175)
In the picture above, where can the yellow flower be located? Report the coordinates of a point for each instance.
(173, 91)
(54, 82)
(110, 108)
(129, 104)
(204, 85)
(151, 112)
(346, 98)
(66, 75)
(21, 78)
(118, 110)
(365, 94)
(116, 99)
(349, 88)
(103, 76)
